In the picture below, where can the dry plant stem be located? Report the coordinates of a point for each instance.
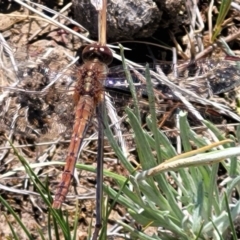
(210, 19)
(209, 49)
(142, 42)
(192, 158)
(102, 23)
(194, 11)
(178, 47)
(46, 25)
(54, 22)
(99, 192)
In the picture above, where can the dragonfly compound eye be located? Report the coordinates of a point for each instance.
(97, 51)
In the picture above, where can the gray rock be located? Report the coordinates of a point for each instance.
(127, 19)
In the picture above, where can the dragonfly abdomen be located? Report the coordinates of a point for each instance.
(83, 114)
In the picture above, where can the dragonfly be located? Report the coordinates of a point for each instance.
(87, 95)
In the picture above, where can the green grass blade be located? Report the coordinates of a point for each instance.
(167, 149)
(49, 226)
(151, 101)
(131, 85)
(136, 234)
(11, 228)
(108, 133)
(75, 226)
(234, 235)
(40, 232)
(224, 9)
(143, 148)
(5, 203)
(185, 132)
(147, 161)
(45, 195)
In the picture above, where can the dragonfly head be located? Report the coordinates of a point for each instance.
(97, 51)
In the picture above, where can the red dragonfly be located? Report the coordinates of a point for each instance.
(87, 95)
